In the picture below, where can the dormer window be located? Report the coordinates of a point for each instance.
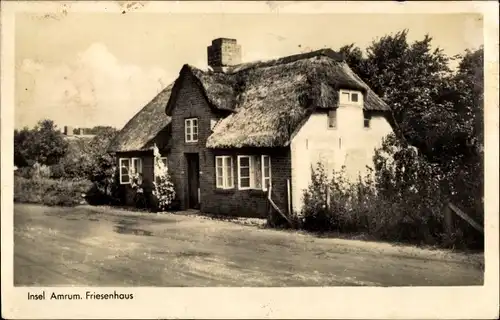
(351, 97)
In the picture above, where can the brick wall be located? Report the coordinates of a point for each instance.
(191, 103)
(248, 203)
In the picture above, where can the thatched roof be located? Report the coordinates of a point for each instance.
(272, 99)
(138, 133)
(265, 101)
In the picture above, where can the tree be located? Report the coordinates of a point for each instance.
(87, 157)
(437, 110)
(43, 144)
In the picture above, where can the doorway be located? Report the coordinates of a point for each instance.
(193, 180)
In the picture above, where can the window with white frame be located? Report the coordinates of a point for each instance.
(350, 97)
(191, 129)
(254, 172)
(128, 168)
(224, 172)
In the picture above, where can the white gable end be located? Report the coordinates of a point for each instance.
(347, 143)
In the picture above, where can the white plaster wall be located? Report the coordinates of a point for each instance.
(349, 144)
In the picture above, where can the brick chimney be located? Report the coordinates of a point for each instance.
(222, 53)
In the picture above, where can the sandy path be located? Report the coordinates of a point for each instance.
(99, 246)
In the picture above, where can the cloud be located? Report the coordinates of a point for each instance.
(94, 88)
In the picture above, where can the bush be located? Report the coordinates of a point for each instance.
(57, 171)
(163, 188)
(50, 192)
(402, 200)
(105, 179)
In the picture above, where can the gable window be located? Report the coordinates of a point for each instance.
(224, 172)
(350, 97)
(191, 129)
(254, 172)
(129, 167)
(332, 119)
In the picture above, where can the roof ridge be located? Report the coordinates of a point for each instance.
(328, 52)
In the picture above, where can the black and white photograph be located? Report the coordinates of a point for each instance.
(163, 146)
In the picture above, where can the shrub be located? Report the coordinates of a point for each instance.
(163, 188)
(57, 171)
(25, 172)
(316, 216)
(105, 179)
(50, 192)
(402, 200)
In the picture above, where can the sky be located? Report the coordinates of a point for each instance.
(87, 69)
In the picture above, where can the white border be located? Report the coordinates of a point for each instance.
(328, 302)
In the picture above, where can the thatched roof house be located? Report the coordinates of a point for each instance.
(266, 118)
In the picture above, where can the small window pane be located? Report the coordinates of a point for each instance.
(244, 161)
(229, 178)
(124, 170)
(345, 97)
(354, 97)
(125, 179)
(195, 136)
(245, 182)
(245, 172)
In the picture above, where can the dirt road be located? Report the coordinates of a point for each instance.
(99, 246)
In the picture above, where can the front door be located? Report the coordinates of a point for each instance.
(193, 182)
